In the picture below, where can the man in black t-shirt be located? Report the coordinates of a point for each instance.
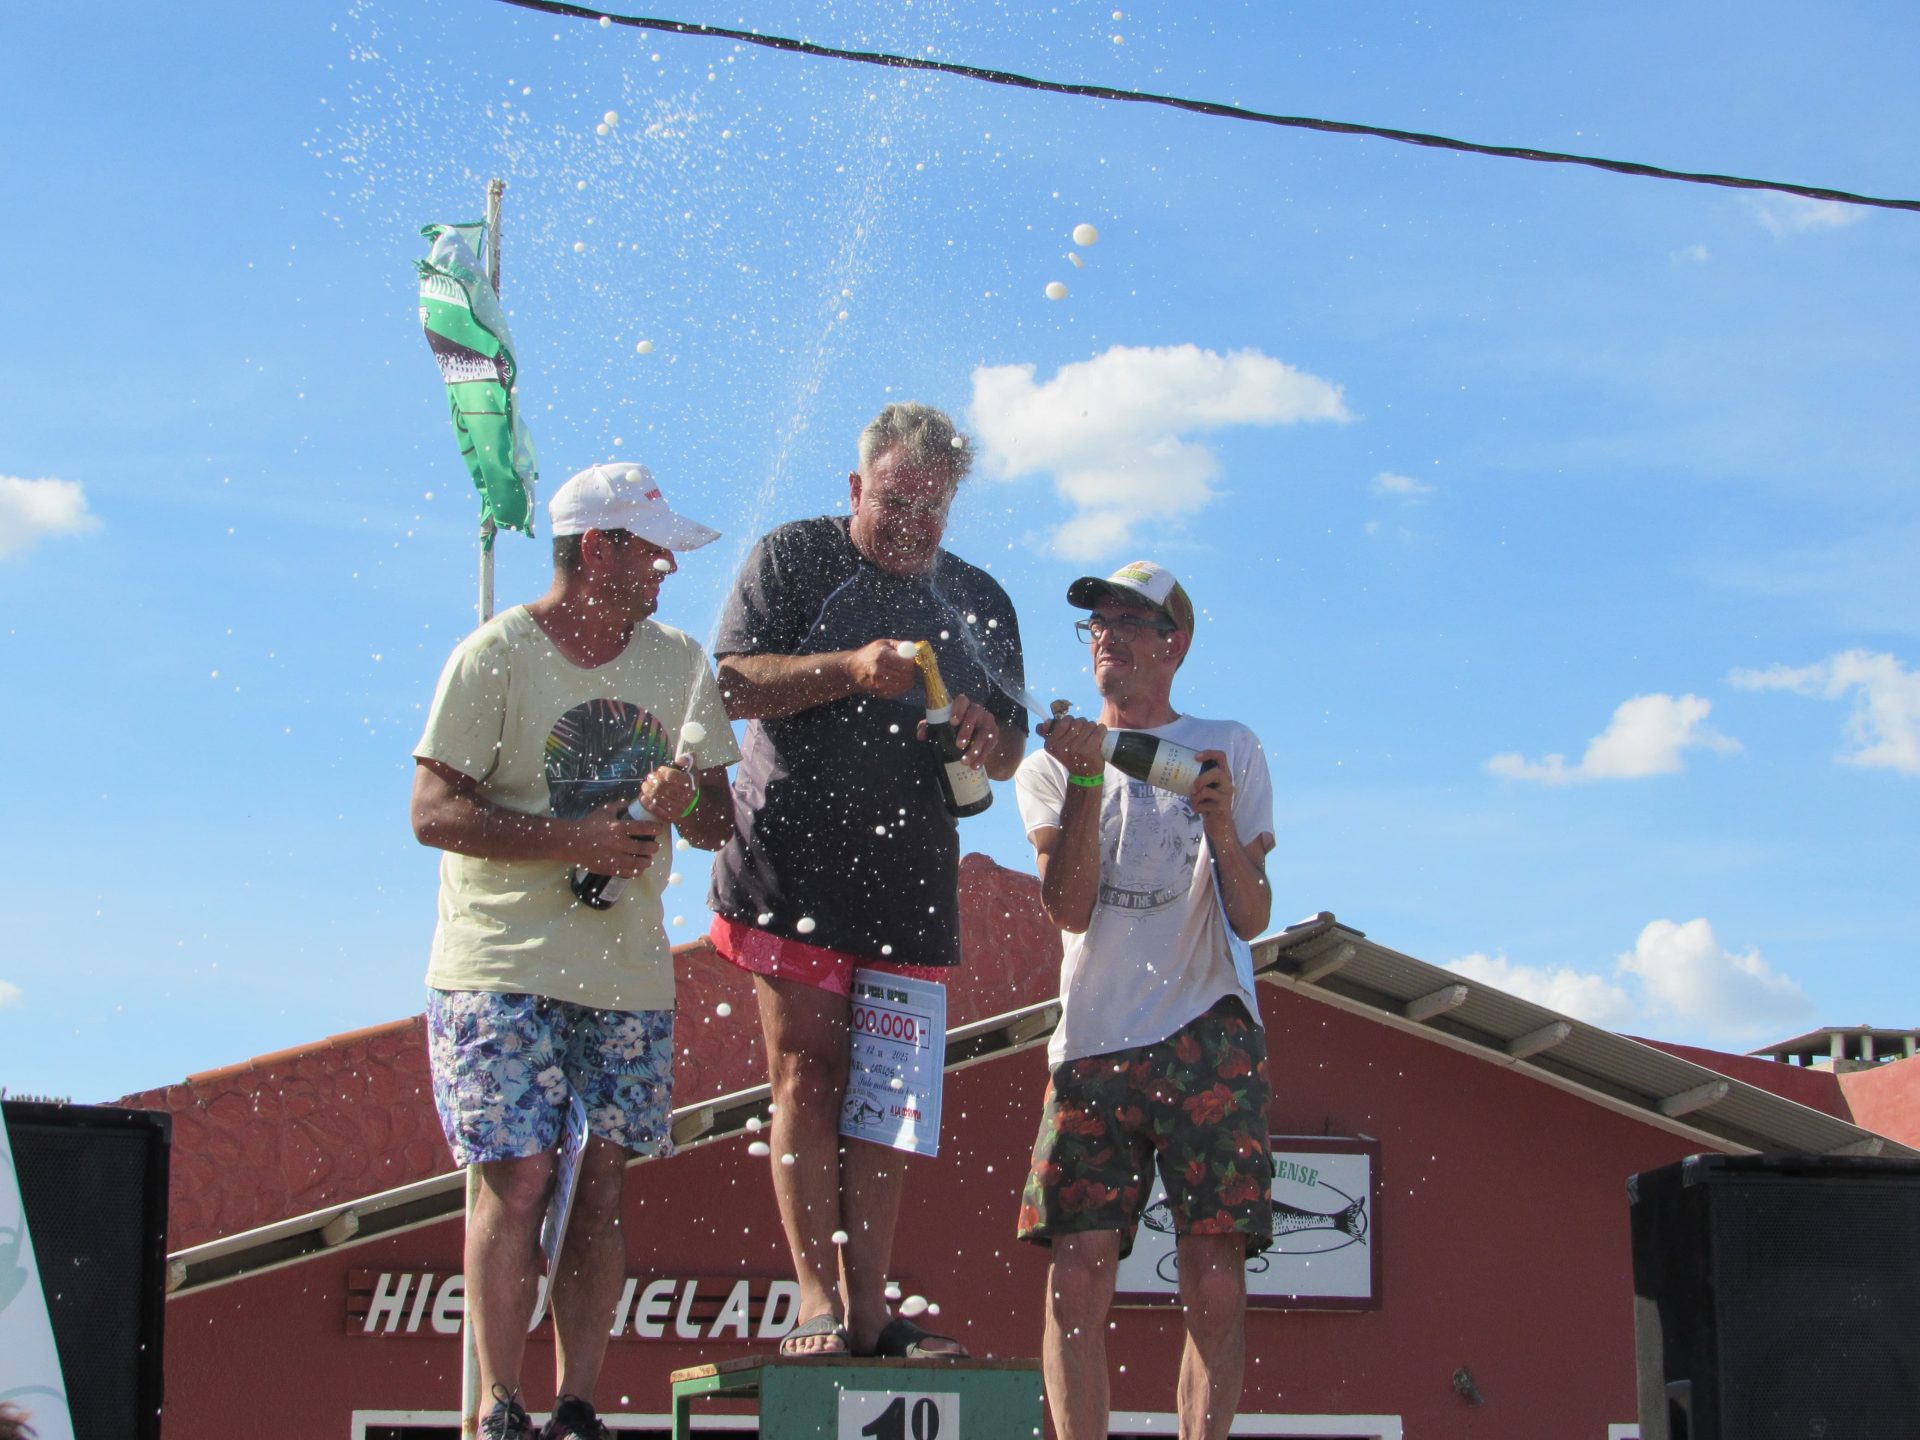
(846, 856)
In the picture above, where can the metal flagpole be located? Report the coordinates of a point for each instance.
(494, 189)
(469, 1344)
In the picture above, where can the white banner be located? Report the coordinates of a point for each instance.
(30, 1378)
(899, 1056)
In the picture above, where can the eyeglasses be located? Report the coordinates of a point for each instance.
(1125, 628)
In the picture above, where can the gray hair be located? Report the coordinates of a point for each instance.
(926, 435)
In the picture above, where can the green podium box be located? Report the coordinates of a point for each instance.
(841, 1398)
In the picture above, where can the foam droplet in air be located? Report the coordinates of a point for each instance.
(839, 1237)
(760, 1148)
(1085, 235)
(913, 1305)
(886, 949)
(1056, 291)
(766, 917)
(663, 565)
(893, 1290)
(804, 925)
(579, 247)
(723, 1009)
(682, 844)
(633, 475)
(674, 878)
(605, 21)
(788, 1158)
(906, 649)
(579, 184)
(753, 1123)
(645, 347)
(896, 1083)
(1078, 263)
(600, 129)
(692, 733)
(612, 117)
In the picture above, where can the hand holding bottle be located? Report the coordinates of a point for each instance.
(612, 845)
(884, 668)
(974, 729)
(1076, 744)
(668, 791)
(1212, 795)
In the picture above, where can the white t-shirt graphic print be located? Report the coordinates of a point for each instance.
(1158, 952)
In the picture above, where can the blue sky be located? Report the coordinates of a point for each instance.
(1469, 463)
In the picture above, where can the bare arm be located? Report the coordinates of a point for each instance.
(1069, 856)
(1240, 866)
(768, 687)
(449, 813)
(667, 791)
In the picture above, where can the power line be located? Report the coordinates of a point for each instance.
(1210, 107)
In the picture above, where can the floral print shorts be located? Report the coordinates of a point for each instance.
(506, 1066)
(1195, 1103)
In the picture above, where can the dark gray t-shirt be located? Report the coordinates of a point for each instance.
(840, 810)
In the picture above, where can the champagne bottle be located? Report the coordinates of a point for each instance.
(598, 892)
(964, 787)
(1163, 764)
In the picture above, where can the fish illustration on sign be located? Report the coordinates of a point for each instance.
(1319, 1231)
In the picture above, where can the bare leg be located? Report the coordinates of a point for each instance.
(1213, 1302)
(1074, 1349)
(872, 1179)
(503, 1264)
(592, 1270)
(807, 1053)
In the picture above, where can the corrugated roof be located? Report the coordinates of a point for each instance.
(1319, 958)
(1331, 962)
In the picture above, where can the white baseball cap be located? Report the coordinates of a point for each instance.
(1139, 580)
(623, 496)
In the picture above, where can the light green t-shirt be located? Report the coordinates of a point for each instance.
(542, 735)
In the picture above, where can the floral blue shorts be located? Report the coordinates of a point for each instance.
(505, 1067)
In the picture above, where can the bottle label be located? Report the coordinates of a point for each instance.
(1175, 769)
(969, 783)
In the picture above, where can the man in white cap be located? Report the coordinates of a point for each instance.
(549, 982)
(1159, 1057)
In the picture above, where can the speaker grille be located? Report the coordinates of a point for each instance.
(88, 1182)
(1818, 1303)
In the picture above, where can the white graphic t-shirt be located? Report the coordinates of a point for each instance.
(545, 736)
(1159, 951)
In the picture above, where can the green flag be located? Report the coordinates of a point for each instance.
(468, 333)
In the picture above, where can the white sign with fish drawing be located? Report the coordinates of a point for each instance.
(1325, 1255)
(899, 1053)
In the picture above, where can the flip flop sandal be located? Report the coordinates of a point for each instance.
(901, 1339)
(825, 1323)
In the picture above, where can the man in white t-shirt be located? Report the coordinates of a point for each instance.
(1159, 1058)
(551, 977)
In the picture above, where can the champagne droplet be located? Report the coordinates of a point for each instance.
(1085, 235)
(760, 1148)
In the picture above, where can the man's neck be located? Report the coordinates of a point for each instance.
(582, 627)
(1137, 712)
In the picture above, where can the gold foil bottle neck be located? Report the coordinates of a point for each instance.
(937, 696)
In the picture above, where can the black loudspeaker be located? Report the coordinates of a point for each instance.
(1777, 1297)
(93, 1181)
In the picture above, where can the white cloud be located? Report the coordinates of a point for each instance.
(1698, 254)
(1687, 975)
(1677, 977)
(31, 509)
(1791, 214)
(1646, 737)
(1387, 483)
(10, 994)
(1113, 432)
(1884, 728)
(1591, 998)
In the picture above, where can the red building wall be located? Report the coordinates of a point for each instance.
(1501, 1221)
